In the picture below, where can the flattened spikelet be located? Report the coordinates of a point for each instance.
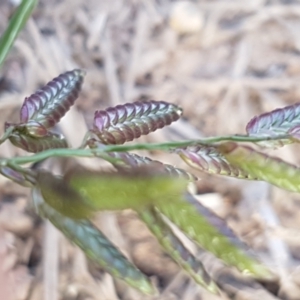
(49, 104)
(133, 160)
(277, 122)
(34, 145)
(123, 123)
(208, 159)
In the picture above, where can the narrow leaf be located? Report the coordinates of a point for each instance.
(123, 123)
(37, 144)
(208, 159)
(276, 122)
(49, 104)
(197, 227)
(15, 25)
(95, 245)
(263, 167)
(175, 248)
(134, 188)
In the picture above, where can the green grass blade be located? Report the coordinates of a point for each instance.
(15, 25)
(198, 228)
(174, 247)
(95, 245)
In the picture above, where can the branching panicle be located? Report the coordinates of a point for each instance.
(156, 191)
(123, 123)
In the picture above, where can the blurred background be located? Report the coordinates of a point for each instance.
(223, 62)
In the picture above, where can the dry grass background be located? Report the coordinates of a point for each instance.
(223, 62)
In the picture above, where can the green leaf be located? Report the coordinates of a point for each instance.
(15, 25)
(198, 228)
(95, 245)
(175, 248)
(262, 166)
(133, 189)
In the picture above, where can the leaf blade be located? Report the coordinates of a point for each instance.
(15, 25)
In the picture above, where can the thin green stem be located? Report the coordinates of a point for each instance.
(6, 134)
(15, 25)
(100, 152)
